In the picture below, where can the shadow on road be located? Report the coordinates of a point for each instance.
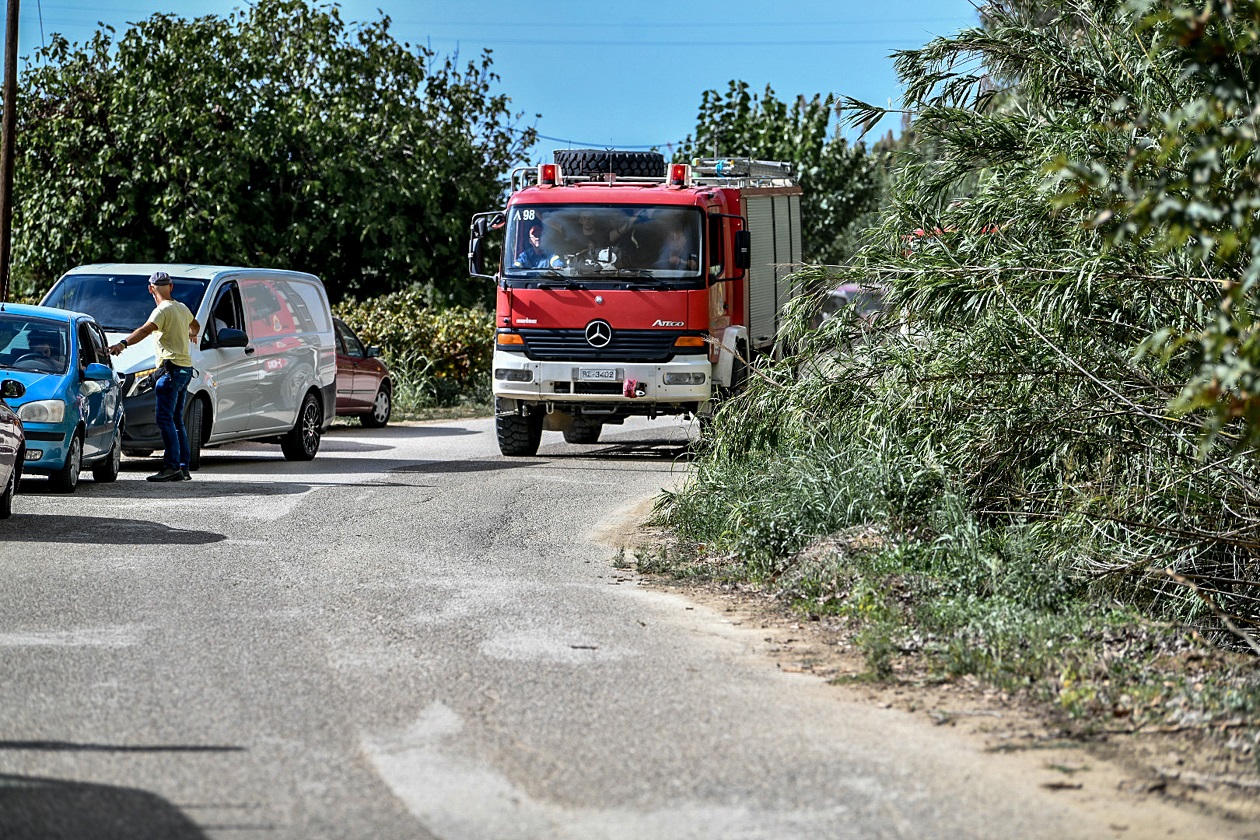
(660, 450)
(101, 530)
(49, 809)
(70, 746)
(404, 431)
(465, 466)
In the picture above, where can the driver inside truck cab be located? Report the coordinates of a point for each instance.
(533, 255)
(679, 252)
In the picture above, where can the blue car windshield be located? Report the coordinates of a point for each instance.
(119, 302)
(34, 344)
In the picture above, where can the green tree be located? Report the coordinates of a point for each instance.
(842, 183)
(1094, 270)
(277, 135)
(1176, 166)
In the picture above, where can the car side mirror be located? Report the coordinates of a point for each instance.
(229, 337)
(11, 389)
(97, 372)
(374, 352)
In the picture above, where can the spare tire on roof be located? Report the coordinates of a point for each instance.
(605, 161)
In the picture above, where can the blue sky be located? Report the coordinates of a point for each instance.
(626, 74)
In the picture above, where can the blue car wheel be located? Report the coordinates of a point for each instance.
(107, 469)
(66, 479)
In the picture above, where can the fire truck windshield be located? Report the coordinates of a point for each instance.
(654, 242)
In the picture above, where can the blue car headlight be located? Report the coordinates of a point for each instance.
(42, 411)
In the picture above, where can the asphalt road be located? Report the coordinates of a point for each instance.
(412, 637)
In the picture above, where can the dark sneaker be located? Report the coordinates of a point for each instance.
(166, 474)
(185, 475)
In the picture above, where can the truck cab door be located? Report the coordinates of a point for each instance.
(718, 259)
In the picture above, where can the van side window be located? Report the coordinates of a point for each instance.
(227, 311)
(299, 313)
(307, 299)
(266, 315)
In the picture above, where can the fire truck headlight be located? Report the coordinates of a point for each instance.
(513, 375)
(684, 379)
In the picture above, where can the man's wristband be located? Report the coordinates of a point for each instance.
(123, 342)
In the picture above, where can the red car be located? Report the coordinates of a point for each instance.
(364, 387)
(12, 446)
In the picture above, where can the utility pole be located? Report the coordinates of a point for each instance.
(8, 137)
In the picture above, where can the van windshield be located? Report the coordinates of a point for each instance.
(119, 302)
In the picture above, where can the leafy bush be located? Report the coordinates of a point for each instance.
(438, 357)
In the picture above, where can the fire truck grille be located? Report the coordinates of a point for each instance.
(625, 346)
(601, 388)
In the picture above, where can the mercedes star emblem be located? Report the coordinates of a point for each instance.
(598, 333)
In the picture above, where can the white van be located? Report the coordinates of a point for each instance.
(265, 368)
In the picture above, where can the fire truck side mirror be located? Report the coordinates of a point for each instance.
(743, 249)
(476, 257)
(482, 224)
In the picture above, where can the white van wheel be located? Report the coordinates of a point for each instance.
(193, 423)
(302, 441)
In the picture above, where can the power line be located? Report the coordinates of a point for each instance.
(712, 44)
(672, 27)
(585, 145)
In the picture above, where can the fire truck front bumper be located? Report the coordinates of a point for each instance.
(687, 381)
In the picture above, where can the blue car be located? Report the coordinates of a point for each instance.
(71, 408)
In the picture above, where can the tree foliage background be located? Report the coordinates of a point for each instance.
(276, 136)
(843, 184)
(1059, 406)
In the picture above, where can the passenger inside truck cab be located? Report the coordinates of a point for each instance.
(592, 236)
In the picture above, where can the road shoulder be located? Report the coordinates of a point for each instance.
(1138, 784)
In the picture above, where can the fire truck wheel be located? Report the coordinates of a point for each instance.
(583, 430)
(519, 436)
(604, 162)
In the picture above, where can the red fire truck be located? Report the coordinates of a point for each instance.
(628, 286)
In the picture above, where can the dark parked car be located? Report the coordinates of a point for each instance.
(12, 446)
(364, 387)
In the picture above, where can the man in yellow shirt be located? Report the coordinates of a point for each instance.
(176, 328)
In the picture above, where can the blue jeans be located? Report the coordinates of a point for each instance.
(171, 390)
